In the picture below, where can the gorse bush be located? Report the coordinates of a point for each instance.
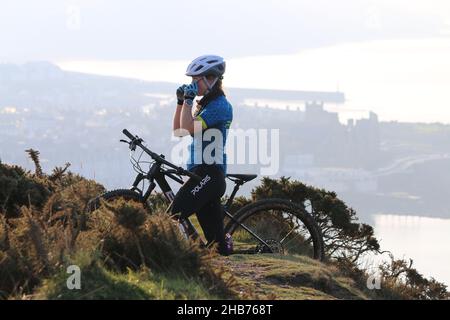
(19, 187)
(71, 202)
(398, 280)
(344, 237)
(29, 251)
(44, 226)
(401, 280)
(39, 221)
(42, 231)
(131, 238)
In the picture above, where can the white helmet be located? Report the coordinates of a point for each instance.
(206, 65)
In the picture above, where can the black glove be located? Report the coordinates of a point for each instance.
(180, 94)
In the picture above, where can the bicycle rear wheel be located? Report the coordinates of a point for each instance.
(276, 226)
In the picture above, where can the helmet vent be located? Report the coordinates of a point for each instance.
(206, 65)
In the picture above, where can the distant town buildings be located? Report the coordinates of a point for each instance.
(78, 118)
(335, 156)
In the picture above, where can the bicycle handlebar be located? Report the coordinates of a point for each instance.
(128, 134)
(137, 141)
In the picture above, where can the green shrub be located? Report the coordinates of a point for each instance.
(131, 238)
(71, 199)
(24, 253)
(344, 237)
(21, 188)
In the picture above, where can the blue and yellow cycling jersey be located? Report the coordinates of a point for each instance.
(209, 147)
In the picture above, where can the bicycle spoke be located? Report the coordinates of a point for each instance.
(283, 231)
(287, 235)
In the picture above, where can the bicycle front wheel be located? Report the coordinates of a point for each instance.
(108, 196)
(276, 226)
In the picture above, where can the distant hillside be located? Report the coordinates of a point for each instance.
(389, 167)
(45, 83)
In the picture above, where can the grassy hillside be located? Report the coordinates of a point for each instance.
(291, 277)
(125, 251)
(266, 276)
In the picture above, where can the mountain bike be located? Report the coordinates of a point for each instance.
(272, 225)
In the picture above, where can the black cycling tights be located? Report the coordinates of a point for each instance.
(203, 198)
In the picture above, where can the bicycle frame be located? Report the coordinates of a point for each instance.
(157, 176)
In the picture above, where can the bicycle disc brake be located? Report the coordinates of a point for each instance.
(273, 246)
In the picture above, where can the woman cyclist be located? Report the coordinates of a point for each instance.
(208, 127)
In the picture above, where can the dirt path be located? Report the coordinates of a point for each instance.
(284, 277)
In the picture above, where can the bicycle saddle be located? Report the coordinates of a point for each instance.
(242, 177)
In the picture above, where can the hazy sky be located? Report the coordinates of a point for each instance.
(169, 29)
(390, 56)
